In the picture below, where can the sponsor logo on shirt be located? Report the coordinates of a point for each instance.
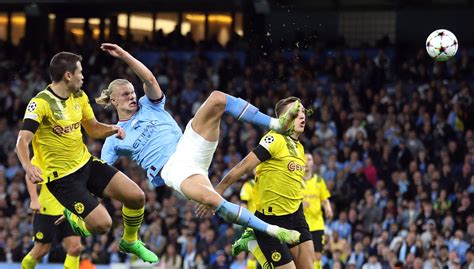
(293, 166)
(59, 130)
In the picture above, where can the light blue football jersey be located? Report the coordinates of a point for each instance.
(151, 136)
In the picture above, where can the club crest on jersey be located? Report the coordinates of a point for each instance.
(79, 207)
(39, 235)
(32, 106)
(276, 256)
(269, 139)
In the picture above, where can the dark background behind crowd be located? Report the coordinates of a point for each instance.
(391, 133)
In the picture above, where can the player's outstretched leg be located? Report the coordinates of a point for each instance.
(207, 120)
(237, 214)
(198, 188)
(244, 111)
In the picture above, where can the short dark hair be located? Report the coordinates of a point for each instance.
(282, 104)
(62, 62)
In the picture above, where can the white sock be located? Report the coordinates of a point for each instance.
(251, 245)
(272, 230)
(274, 124)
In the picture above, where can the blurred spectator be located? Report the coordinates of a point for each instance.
(171, 259)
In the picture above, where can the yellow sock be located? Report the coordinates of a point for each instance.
(28, 262)
(257, 252)
(318, 264)
(132, 219)
(251, 263)
(71, 262)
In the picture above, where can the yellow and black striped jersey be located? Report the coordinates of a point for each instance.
(57, 145)
(315, 192)
(279, 178)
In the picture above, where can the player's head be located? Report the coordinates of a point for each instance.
(284, 104)
(66, 67)
(121, 95)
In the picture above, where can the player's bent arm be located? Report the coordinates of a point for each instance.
(327, 208)
(150, 84)
(99, 130)
(25, 136)
(243, 167)
(33, 192)
(22, 147)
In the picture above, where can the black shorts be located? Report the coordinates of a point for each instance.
(318, 240)
(76, 191)
(279, 254)
(44, 229)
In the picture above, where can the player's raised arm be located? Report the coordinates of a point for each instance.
(150, 84)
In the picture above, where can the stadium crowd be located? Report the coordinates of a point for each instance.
(393, 136)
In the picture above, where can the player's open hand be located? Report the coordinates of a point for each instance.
(202, 210)
(113, 49)
(33, 174)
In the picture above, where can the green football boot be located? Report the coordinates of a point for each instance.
(138, 248)
(242, 243)
(73, 220)
(287, 120)
(288, 236)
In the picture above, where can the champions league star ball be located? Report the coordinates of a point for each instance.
(441, 45)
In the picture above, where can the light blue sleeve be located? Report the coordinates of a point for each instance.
(158, 105)
(108, 153)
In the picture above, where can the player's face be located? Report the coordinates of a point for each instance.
(75, 79)
(124, 98)
(300, 121)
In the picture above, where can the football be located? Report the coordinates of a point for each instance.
(441, 45)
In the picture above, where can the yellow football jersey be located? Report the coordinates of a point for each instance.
(49, 204)
(315, 192)
(279, 180)
(57, 145)
(247, 194)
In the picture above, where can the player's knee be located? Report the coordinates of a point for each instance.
(217, 99)
(103, 226)
(39, 251)
(137, 200)
(74, 249)
(211, 199)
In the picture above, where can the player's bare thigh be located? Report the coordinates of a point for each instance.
(199, 189)
(122, 188)
(207, 119)
(303, 255)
